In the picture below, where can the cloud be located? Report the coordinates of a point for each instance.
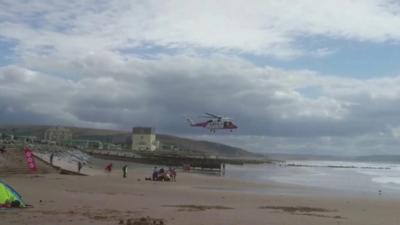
(270, 105)
(124, 91)
(322, 52)
(255, 27)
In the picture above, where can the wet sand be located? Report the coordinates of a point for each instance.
(193, 199)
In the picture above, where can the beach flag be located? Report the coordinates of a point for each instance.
(30, 159)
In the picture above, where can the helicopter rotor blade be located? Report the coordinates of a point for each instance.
(213, 115)
(208, 117)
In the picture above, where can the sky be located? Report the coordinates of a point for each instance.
(304, 77)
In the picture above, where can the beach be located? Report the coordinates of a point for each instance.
(194, 199)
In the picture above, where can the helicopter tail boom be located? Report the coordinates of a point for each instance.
(190, 121)
(193, 124)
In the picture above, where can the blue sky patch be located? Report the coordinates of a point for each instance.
(7, 50)
(353, 59)
(311, 92)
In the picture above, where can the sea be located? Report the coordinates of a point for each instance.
(313, 177)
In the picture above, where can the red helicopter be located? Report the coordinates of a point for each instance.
(214, 122)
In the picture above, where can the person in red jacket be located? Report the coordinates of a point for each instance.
(109, 168)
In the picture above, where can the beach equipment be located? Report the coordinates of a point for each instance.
(29, 158)
(9, 197)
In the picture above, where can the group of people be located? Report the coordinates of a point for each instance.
(158, 174)
(164, 175)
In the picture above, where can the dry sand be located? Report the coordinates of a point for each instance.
(193, 199)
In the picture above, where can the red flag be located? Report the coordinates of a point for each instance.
(30, 159)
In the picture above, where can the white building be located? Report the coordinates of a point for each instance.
(57, 134)
(144, 139)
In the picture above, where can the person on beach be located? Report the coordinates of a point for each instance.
(3, 149)
(170, 174)
(79, 166)
(109, 168)
(167, 176)
(173, 174)
(124, 171)
(155, 173)
(51, 158)
(161, 174)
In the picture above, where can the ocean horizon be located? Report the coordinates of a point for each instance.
(324, 177)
